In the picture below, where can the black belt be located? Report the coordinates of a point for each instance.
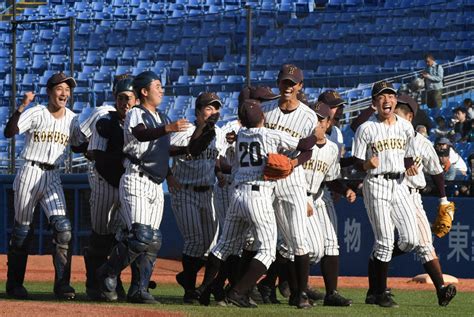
(197, 189)
(389, 175)
(255, 188)
(413, 190)
(44, 166)
(308, 194)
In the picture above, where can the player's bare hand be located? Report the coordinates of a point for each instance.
(178, 126)
(231, 137)
(28, 97)
(371, 163)
(350, 195)
(309, 209)
(173, 184)
(424, 74)
(412, 170)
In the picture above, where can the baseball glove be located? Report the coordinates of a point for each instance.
(278, 167)
(203, 136)
(443, 221)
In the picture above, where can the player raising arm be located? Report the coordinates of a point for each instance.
(48, 129)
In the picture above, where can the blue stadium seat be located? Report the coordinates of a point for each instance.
(29, 82)
(234, 83)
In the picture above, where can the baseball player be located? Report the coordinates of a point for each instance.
(426, 160)
(146, 149)
(251, 208)
(192, 202)
(223, 191)
(106, 143)
(383, 147)
(288, 114)
(322, 171)
(49, 129)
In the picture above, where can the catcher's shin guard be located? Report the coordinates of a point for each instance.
(95, 255)
(62, 257)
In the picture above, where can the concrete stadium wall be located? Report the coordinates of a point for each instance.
(456, 251)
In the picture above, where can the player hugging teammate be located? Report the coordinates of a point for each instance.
(289, 219)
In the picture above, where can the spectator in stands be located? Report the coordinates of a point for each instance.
(469, 107)
(433, 76)
(442, 130)
(421, 129)
(463, 125)
(454, 166)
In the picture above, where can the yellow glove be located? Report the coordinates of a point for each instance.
(442, 224)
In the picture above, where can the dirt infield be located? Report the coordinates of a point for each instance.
(25, 308)
(40, 268)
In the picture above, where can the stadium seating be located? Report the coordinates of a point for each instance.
(200, 45)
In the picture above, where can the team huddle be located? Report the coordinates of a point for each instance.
(248, 225)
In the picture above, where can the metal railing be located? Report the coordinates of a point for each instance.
(454, 84)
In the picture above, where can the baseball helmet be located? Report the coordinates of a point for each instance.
(143, 80)
(121, 85)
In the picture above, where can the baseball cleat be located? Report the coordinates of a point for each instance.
(314, 294)
(370, 297)
(268, 294)
(238, 300)
(336, 299)
(301, 301)
(142, 297)
(385, 299)
(204, 297)
(446, 294)
(65, 292)
(17, 292)
(284, 289)
(190, 297)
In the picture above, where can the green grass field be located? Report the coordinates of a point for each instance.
(412, 303)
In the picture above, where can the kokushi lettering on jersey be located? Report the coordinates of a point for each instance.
(199, 170)
(46, 137)
(252, 149)
(390, 143)
(426, 160)
(323, 166)
(299, 123)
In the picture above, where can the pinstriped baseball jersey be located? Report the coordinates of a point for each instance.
(223, 195)
(251, 209)
(336, 137)
(132, 146)
(426, 160)
(391, 143)
(300, 123)
(47, 137)
(197, 171)
(88, 125)
(96, 141)
(253, 147)
(323, 166)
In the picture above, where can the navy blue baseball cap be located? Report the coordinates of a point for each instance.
(143, 80)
